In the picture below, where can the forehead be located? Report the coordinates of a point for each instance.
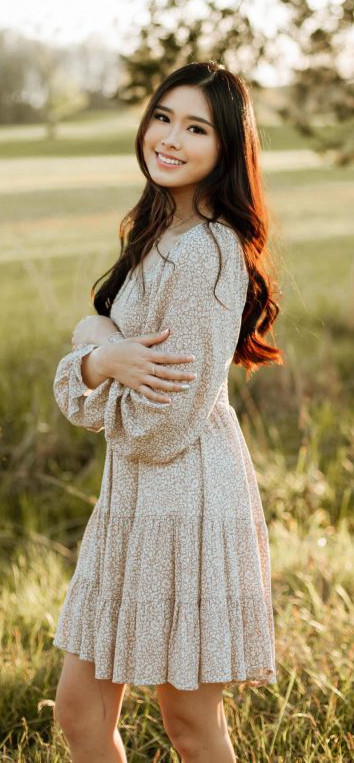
(186, 99)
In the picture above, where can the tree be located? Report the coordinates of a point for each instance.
(43, 82)
(171, 38)
(63, 96)
(322, 90)
(320, 102)
(14, 63)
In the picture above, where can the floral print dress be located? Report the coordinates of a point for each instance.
(172, 581)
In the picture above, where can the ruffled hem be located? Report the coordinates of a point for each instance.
(162, 597)
(148, 642)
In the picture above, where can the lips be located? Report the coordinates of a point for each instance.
(169, 156)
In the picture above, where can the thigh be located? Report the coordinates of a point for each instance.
(197, 710)
(83, 701)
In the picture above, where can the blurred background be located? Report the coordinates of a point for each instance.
(74, 80)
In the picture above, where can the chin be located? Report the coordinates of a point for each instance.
(161, 179)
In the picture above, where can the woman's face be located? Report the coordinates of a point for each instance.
(181, 126)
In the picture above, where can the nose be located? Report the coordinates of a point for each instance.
(171, 139)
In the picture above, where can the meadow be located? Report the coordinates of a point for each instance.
(61, 205)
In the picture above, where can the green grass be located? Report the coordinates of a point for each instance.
(108, 146)
(305, 717)
(112, 133)
(298, 422)
(317, 178)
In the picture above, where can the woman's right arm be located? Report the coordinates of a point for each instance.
(90, 365)
(80, 404)
(85, 377)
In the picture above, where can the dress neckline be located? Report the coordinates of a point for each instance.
(152, 271)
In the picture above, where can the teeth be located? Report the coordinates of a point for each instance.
(168, 161)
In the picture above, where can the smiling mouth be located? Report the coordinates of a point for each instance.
(168, 161)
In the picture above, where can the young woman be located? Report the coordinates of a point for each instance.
(172, 583)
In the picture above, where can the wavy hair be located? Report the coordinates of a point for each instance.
(233, 190)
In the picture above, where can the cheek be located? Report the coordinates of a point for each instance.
(152, 134)
(207, 154)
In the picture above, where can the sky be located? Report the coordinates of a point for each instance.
(115, 21)
(72, 21)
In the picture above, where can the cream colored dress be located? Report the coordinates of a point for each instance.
(172, 582)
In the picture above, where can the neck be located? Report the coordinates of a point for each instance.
(184, 214)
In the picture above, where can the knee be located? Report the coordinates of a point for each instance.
(64, 719)
(184, 737)
(70, 716)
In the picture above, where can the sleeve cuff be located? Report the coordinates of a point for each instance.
(78, 385)
(69, 374)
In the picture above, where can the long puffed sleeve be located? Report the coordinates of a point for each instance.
(82, 406)
(154, 432)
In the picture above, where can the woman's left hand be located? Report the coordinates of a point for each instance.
(92, 329)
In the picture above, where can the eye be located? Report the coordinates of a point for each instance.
(194, 127)
(156, 116)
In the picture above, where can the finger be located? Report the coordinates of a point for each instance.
(147, 339)
(149, 393)
(156, 382)
(170, 357)
(167, 372)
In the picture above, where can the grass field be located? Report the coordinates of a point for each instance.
(60, 209)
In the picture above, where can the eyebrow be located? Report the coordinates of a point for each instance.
(189, 116)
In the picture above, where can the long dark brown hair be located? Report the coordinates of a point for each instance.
(233, 190)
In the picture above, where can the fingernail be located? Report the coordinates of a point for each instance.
(165, 331)
(184, 385)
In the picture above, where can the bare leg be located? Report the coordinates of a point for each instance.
(196, 724)
(209, 750)
(88, 710)
(98, 750)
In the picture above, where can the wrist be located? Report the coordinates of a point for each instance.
(100, 361)
(90, 374)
